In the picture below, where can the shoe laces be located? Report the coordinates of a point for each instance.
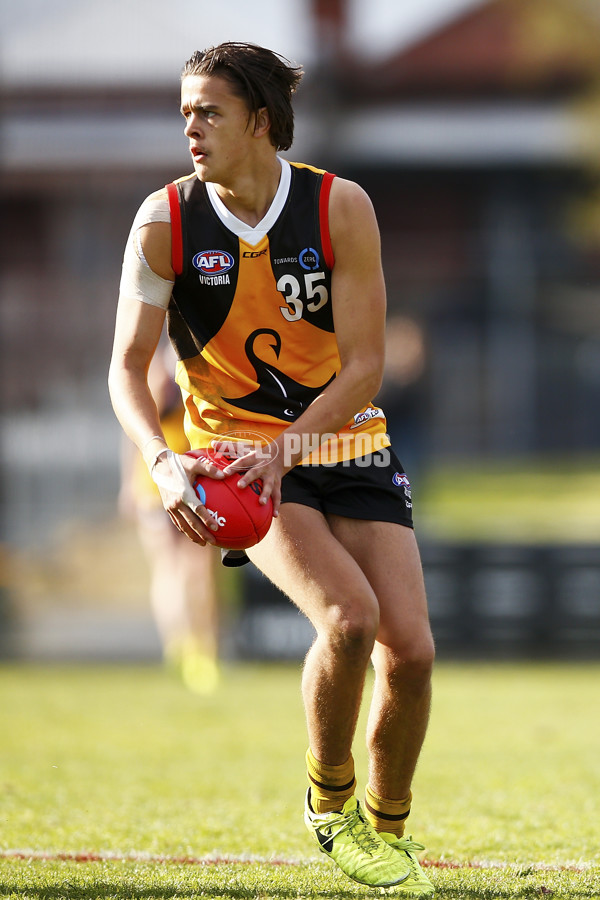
(407, 844)
(410, 847)
(355, 824)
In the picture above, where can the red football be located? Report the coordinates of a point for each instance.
(242, 520)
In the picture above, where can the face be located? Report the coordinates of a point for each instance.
(217, 127)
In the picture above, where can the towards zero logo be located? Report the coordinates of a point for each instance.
(213, 262)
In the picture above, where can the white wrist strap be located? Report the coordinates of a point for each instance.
(154, 459)
(155, 437)
(187, 492)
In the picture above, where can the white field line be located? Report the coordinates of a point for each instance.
(84, 856)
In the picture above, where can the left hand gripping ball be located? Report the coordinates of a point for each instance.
(242, 520)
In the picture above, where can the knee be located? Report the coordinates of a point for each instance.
(351, 627)
(408, 665)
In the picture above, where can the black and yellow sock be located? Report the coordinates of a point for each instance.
(330, 786)
(387, 815)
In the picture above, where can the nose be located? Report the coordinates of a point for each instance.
(192, 126)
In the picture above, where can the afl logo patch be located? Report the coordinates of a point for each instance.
(213, 262)
(400, 480)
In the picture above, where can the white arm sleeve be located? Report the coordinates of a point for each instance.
(138, 281)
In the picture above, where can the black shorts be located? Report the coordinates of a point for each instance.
(372, 487)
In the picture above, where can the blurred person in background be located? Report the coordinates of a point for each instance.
(270, 275)
(183, 590)
(402, 393)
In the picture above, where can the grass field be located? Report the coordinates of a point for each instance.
(117, 783)
(513, 501)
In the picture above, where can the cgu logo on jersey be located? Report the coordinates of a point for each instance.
(254, 254)
(213, 266)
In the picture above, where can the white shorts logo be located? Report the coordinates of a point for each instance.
(371, 412)
(400, 480)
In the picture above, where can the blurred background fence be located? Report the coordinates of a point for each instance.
(474, 125)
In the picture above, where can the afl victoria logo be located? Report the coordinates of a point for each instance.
(213, 262)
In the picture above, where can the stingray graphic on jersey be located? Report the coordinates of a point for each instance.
(277, 394)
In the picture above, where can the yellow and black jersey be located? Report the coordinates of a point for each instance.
(252, 323)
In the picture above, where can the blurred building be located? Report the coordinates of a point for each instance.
(475, 133)
(89, 125)
(478, 144)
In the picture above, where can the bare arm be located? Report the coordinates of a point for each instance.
(137, 332)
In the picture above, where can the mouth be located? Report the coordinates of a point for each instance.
(198, 155)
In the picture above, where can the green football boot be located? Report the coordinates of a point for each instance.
(352, 842)
(417, 884)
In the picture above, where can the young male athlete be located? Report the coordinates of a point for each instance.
(270, 276)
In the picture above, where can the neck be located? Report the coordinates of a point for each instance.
(250, 198)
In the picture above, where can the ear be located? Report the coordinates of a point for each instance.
(262, 122)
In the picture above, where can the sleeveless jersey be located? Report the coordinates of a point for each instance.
(252, 324)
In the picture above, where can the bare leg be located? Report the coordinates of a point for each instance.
(182, 586)
(403, 652)
(303, 558)
(359, 583)
(199, 607)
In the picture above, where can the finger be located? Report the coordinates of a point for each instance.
(270, 484)
(205, 466)
(249, 476)
(266, 486)
(231, 449)
(276, 499)
(208, 523)
(188, 494)
(243, 464)
(181, 526)
(198, 525)
(199, 518)
(247, 458)
(222, 447)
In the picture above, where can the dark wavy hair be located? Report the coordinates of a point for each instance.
(259, 76)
